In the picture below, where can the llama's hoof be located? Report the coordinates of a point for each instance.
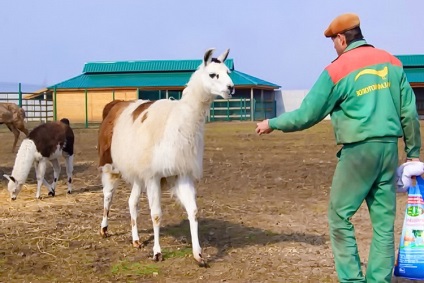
(39, 197)
(103, 232)
(158, 257)
(52, 193)
(69, 192)
(202, 262)
(137, 244)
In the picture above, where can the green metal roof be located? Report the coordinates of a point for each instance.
(147, 66)
(152, 79)
(411, 60)
(415, 75)
(152, 73)
(413, 66)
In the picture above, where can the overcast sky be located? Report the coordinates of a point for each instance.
(45, 42)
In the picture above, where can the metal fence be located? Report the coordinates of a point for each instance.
(241, 109)
(35, 109)
(236, 109)
(231, 109)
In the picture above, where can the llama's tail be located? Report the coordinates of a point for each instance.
(109, 106)
(22, 113)
(65, 121)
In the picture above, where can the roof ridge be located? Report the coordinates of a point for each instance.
(245, 76)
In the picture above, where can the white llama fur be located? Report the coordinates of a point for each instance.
(28, 156)
(24, 161)
(165, 141)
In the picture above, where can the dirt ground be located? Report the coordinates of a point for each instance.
(262, 216)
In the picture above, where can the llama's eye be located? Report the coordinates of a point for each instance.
(213, 75)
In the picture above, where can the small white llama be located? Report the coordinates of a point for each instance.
(46, 142)
(146, 141)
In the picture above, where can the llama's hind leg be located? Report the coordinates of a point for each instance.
(186, 193)
(153, 194)
(133, 204)
(110, 178)
(40, 171)
(56, 173)
(69, 164)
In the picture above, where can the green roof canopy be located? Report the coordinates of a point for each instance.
(147, 66)
(411, 60)
(413, 66)
(146, 74)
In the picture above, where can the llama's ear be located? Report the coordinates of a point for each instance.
(10, 178)
(224, 55)
(208, 56)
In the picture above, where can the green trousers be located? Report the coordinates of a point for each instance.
(365, 171)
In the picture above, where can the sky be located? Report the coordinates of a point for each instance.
(45, 42)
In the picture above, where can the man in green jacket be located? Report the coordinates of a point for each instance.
(371, 104)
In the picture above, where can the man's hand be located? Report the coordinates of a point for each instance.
(263, 128)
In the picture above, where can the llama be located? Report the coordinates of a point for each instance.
(14, 118)
(146, 142)
(45, 142)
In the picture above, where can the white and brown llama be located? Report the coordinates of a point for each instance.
(14, 118)
(146, 141)
(46, 142)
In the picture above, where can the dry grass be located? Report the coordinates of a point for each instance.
(262, 217)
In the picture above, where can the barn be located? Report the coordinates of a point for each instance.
(83, 97)
(414, 69)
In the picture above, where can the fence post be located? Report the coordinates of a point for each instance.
(228, 110)
(252, 105)
(253, 109)
(45, 108)
(20, 94)
(241, 108)
(54, 105)
(86, 108)
(275, 109)
(212, 118)
(244, 109)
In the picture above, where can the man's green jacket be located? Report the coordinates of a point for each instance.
(366, 92)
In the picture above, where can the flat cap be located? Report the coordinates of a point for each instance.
(341, 24)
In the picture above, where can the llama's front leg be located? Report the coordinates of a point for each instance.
(69, 164)
(56, 173)
(40, 171)
(186, 193)
(133, 203)
(16, 133)
(153, 194)
(45, 183)
(110, 178)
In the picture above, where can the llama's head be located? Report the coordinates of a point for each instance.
(215, 75)
(14, 187)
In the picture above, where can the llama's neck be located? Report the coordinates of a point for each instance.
(24, 160)
(199, 101)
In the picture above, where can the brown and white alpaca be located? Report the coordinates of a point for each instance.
(14, 118)
(46, 142)
(146, 141)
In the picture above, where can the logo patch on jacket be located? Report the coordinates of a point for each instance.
(380, 73)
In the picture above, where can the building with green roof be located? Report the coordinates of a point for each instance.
(414, 69)
(83, 97)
